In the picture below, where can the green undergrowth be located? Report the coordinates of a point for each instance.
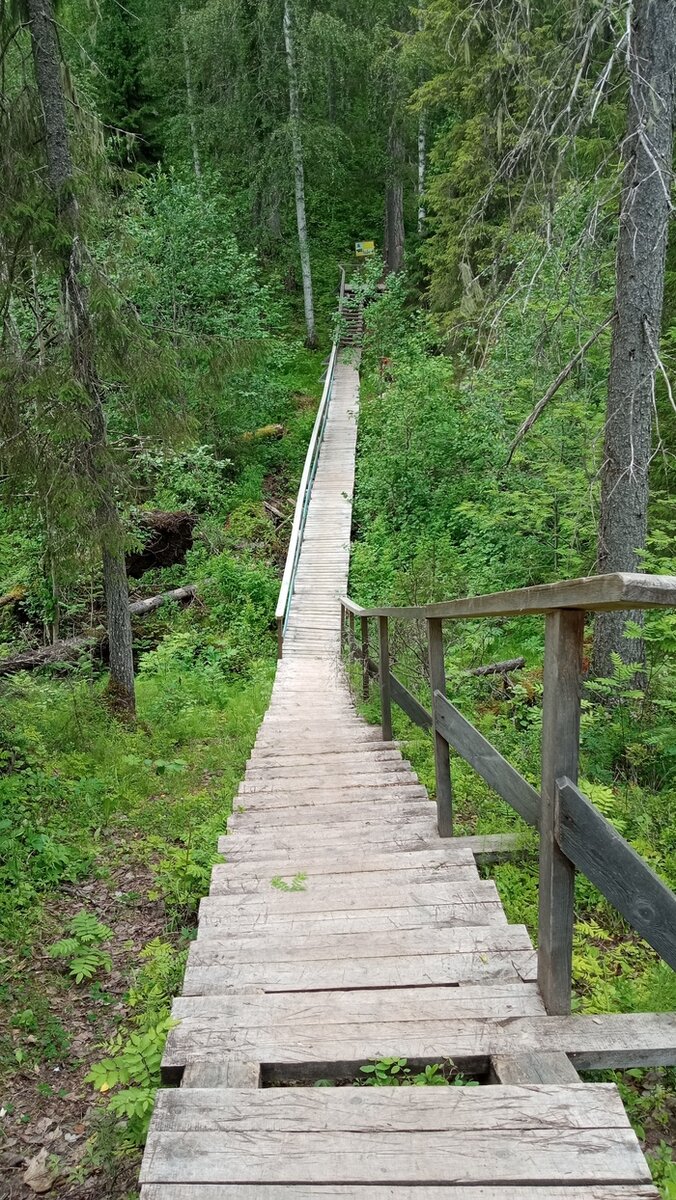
(438, 514)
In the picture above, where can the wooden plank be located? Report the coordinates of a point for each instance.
(486, 760)
(415, 916)
(209, 948)
(526, 1156)
(490, 847)
(624, 878)
(413, 1004)
(408, 704)
(317, 899)
(534, 1068)
(442, 863)
(353, 780)
(260, 883)
(323, 797)
(592, 1043)
(232, 1073)
(450, 969)
(311, 1191)
(591, 593)
(326, 1110)
(564, 632)
(261, 820)
(388, 762)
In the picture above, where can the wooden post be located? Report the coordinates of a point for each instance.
(351, 640)
(385, 697)
(342, 629)
(280, 637)
(564, 631)
(364, 622)
(442, 760)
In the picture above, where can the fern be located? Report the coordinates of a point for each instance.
(133, 1062)
(83, 946)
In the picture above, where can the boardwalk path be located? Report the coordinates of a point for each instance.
(382, 941)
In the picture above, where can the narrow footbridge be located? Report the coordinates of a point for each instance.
(347, 925)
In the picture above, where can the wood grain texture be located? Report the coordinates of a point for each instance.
(626, 880)
(590, 593)
(294, 1191)
(564, 632)
(408, 704)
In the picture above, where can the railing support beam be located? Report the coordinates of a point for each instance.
(384, 672)
(564, 631)
(365, 688)
(442, 760)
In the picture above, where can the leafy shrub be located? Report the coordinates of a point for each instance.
(83, 947)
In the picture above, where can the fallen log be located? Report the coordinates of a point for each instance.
(70, 649)
(140, 607)
(499, 668)
(44, 656)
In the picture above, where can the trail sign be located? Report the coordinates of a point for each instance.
(364, 249)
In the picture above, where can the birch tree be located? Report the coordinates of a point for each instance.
(299, 175)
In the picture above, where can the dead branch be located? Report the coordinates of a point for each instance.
(499, 668)
(560, 379)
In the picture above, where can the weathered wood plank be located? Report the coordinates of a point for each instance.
(317, 899)
(414, 916)
(325, 1110)
(591, 593)
(408, 704)
(486, 760)
(534, 1068)
(442, 762)
(208, 949)
(386, 813)
(261, 883)
(327, 974)
(231, 1073)
(592, 1043)
(564, 632)
(413, 1004)
(441, 863)
(294, 1191)
(626, 880)
(384, 679)
(411, 1157)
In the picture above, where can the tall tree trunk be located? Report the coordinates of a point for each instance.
(394, 200)
(422, 168)
(299, 176)
(644, 214)
(190, 97)
(47, 62)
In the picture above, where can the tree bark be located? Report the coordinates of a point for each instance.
(299, 177)
(47, 63)
(641, 254)
(394, 200)
(190, 98)
(422, 170)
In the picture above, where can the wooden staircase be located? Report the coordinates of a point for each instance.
(342, 929)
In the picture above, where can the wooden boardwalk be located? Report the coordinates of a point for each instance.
(342, 929)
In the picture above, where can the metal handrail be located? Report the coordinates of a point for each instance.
(305, 490)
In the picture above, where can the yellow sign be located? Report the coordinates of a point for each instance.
(364, 249)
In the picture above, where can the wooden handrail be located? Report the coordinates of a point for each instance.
(592, 593)
(572, 832)
(305, 490)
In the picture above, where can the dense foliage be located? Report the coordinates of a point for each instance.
(490, 135)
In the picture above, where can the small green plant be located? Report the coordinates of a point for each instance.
(297, 883)
(83, 947)
(395, 1072)
(133, 1062)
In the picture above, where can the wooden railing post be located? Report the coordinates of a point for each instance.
(385, 696)
(351, 640)
(364, 622)
(342, 629)
(442, 761)
(564, 631)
